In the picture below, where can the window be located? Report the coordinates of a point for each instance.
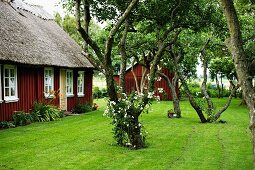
(10, 83)
(48, 82)
(69, 83)
(80, 84)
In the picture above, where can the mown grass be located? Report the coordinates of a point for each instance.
(85, 142)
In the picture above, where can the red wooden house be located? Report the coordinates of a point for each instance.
(36, 58)
(137, 71)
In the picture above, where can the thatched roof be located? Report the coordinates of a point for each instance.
(28, 35)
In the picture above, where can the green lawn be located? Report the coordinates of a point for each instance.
(85, 142)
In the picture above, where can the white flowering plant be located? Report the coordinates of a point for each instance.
(128, 131)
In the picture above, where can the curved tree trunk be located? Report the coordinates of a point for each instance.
(210, 106)
(192, 101)
(232, 94)
(172, 87)
(235, 46)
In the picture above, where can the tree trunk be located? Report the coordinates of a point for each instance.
(235, 46)
(172, 87)
(123, 65)
(192, 101)
(87, 19)
(135, 136)
(205, 59)
(111, 84)
(218, 85)
(233, 91)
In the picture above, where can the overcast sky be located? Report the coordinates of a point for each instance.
(51, 6)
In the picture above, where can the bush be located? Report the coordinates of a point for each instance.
(22, 118)
(45, 113)
(6, 125)
(104, 92)
(97, 93)
(82, 108)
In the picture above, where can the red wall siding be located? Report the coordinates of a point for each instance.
(31, 89)
(138, 70)
(73, 101)
(26, 79)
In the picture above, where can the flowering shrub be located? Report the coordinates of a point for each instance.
(128, 131)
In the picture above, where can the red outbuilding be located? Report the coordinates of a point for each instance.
(138, 71)
(39, 62)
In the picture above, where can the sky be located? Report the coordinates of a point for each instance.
(51, 6)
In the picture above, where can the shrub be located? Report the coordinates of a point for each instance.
(44, 112)
(104, 92)
(6, 125)
(97, 93)
(82, 108)
(21, 118)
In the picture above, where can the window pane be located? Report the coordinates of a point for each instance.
(12, 92)
(50, 89)
(6, 71)
(12, 82)
(6, 91)
(6, 82)
(12, 73)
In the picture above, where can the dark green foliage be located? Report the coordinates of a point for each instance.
(82, 108)
(97, 93)
(6, 125)
(211, 89)
(44, 112)
(22, 118)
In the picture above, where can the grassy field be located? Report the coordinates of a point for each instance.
(85, 142)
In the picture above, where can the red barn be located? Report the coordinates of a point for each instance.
(138, 71)
(36, 58)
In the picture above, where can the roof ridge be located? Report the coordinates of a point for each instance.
(36, 10)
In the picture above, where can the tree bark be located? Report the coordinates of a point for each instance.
(218, 85)
(235, 46)
(232, 94)
(192, 100)
(87, 19)
(204, 88)
(136, 139)
(172, 87)
(123, 65)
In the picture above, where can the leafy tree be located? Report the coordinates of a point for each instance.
(241, 59)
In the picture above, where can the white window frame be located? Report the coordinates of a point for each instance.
(11, 98)
(69, 83)
(80, 93)
(46, 85)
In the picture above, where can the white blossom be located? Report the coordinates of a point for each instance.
(150, 95)
(160, 90)
(112, 103)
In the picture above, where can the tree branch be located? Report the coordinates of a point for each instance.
(122, 48)
(84, 34)
(109, 42)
